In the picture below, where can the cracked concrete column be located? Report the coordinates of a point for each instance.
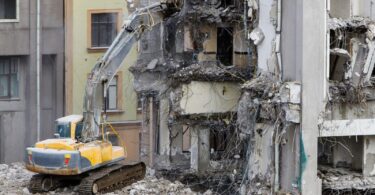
(164, 129)
(200, 148)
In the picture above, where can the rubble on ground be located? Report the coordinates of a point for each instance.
(354, 22)
(14, 179)
(344, 179)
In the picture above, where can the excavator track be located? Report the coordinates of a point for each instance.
(111, 178)
(102, 180)
(40, 183)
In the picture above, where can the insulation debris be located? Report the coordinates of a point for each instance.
(257, 36)
(341, 92)
(212, 11)
(211, 71)
(354, 22)
(340, 52)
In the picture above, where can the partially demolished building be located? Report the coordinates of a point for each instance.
(259, 97)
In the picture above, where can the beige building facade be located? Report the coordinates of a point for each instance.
(91, 26)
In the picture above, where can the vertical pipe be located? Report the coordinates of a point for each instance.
(152, 129)
(38, 68)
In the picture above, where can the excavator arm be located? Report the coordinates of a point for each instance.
(107, 67)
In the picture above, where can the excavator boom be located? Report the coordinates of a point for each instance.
(106, 68)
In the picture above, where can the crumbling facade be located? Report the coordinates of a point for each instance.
(264, 97)
(346, 125)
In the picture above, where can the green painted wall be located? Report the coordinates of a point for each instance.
(83, 60)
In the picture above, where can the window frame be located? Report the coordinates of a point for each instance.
(108, 94)
(89, 25)
(17, 19)
(9, 78)
(119, 91)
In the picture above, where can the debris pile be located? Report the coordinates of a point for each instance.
(354, 22)
(210, 71)
(14, 179)
(344, 180)
(213, 11)
(152, 185)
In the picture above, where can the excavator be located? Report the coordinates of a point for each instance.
(81, 153)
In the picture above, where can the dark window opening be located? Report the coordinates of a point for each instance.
(8, 77)
(103, 29)
(225, 46)
(218, 144)
(226, 3)
(373, 72)
(341, 152)
(8, 9)
(139, 103)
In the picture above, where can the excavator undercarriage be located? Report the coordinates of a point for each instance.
(101, 180)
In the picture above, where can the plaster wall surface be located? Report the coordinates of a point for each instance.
(267, 23)
(341, 8)
(209, 97)
(81, 59)
(369, 156)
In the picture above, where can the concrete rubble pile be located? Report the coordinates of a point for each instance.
(344, 180)
(14, 179)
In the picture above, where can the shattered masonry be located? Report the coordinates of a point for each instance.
(235, 98)
(204, 109)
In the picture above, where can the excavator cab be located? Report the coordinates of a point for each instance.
(69, 127)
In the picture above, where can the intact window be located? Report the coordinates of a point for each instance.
(8, 9)
(112, 95)
(103, 29)
(8, 77)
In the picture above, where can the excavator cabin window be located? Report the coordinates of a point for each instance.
(63, 129)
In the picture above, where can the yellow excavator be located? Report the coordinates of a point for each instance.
(81, 153)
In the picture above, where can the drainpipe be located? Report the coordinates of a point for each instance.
(38, 68)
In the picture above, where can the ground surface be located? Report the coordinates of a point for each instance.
(14, 179)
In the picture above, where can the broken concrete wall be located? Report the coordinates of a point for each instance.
(207, 51)
(369, 156)
(192, 63)
(268, 21)
(341, 8)
(209, 97)
(267, 112)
